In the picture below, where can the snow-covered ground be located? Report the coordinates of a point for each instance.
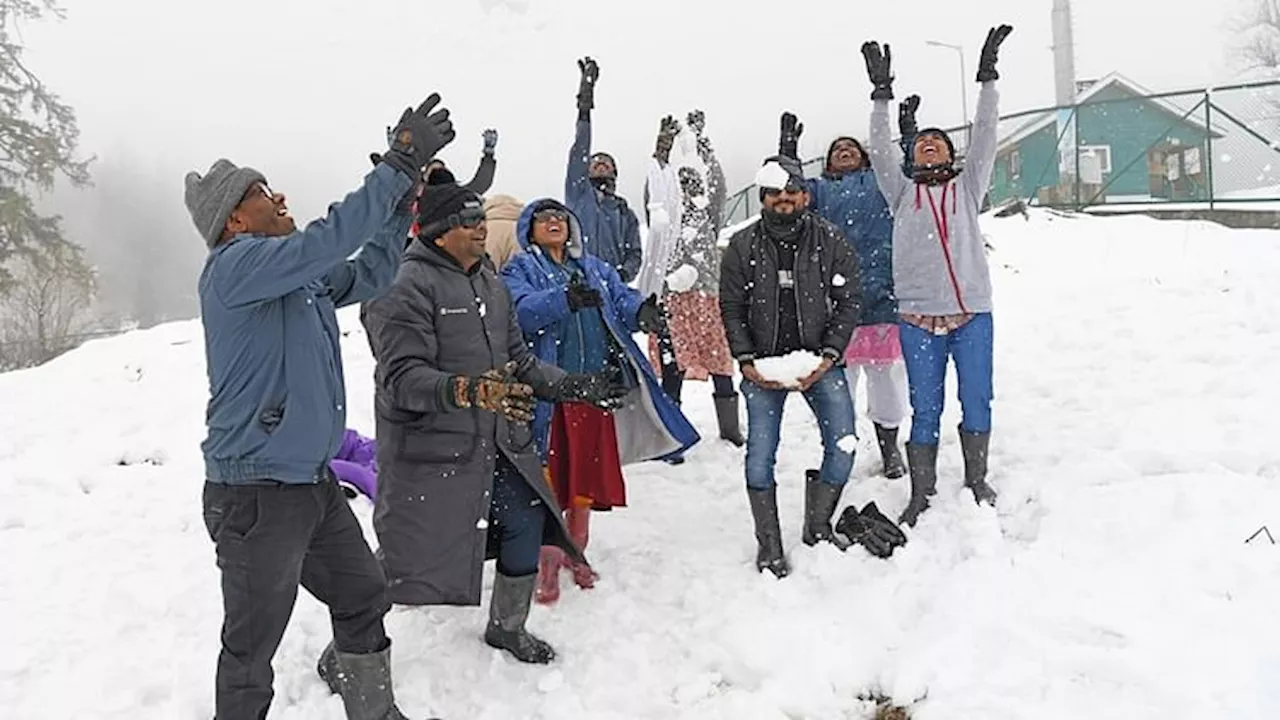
(1134, 452)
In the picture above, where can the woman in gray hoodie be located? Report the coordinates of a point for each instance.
(940, 274)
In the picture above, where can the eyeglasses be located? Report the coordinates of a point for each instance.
(550, 213)
(261, 188)
(791, 188)
(467, 217)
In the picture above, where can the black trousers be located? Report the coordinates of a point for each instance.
(271, 538)
(517, 517)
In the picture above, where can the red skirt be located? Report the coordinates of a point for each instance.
(583, 458)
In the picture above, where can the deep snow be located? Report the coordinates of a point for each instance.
(1134, 452)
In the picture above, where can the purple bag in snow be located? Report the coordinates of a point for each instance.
(356, 465)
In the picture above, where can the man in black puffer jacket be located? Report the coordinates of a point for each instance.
(790, 283)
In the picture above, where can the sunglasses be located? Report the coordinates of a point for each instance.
(467, 217)
(546, 214)
(791, 188)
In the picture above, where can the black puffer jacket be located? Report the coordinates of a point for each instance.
(827, 290)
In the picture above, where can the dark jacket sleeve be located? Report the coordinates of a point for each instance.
(368, 274)
(577, 183)
(632, 253)
(483, 180)
(402, 327)
(735, 298)
(845, 289)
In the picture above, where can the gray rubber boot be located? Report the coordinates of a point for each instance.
(820, 501)
(508, 611)
(922, 464)
(363, 681)
(887, 439)
(974, 446)
(727, 419)
(764, 511)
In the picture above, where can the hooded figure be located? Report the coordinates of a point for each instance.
(940, 273)
(575, 311)
(848, 196)
(687, 268)
(500, 214)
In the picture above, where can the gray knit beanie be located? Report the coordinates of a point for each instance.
(212, 198)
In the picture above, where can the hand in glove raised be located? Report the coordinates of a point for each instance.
(907, 115)
(789, 131)
(697, 121)
(589, 72)
(490, 141)
(879, 69)
(651, 318)
(418, 136)
(581, 296)
(667, 131)
(991, 52)
(497, 391)
(603, 389)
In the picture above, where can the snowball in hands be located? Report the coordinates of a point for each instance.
(789, 369)
(659, 220)
(682, 279)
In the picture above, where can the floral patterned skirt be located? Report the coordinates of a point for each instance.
(697, 332)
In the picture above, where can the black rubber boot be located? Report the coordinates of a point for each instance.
(764, 510)
(363, 681)
(887, 438)
(922, 463)
(974, 446)
(820, 500)
(508, 611)
(727, 419)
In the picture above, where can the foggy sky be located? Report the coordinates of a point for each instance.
(303, 89)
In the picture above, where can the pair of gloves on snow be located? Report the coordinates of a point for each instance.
(871, 529)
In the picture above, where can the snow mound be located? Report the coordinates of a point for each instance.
(789, 369)
(1133, 451)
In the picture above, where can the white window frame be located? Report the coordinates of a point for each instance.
(1104, 151)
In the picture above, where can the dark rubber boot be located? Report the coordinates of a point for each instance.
(974, 446)
(922, 462)
(363, 681)
(727, 419)
(764, 510)
(508, 611)
(820, 500)
(887, 438)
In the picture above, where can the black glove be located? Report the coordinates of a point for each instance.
(990, 52)
(886, 527)
(490, 141)
(651, 317)
(581, 296)
(879, 538)
(667, 131)
(590, 73)
(789, 131)
(907, 115)
(603, 389)
(697, 121)
(406, 203)
(418, 136)
(879, 69)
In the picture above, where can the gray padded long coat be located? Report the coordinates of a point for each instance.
(435, 462)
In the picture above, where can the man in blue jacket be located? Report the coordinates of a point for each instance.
(610, 228)
(277, 411)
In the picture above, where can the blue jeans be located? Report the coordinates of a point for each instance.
(926, 358)
(516, 518)
(828, 399)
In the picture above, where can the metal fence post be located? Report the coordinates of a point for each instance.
(1208, 140)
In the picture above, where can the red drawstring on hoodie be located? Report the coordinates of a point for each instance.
(941, 222)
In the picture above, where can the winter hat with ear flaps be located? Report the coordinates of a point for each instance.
(438, 202)
(212, 198)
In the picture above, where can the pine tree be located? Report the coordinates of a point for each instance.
(38, 138)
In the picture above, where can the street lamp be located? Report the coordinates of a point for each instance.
(964, 79)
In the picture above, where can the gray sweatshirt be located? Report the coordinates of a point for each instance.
(939, 266)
